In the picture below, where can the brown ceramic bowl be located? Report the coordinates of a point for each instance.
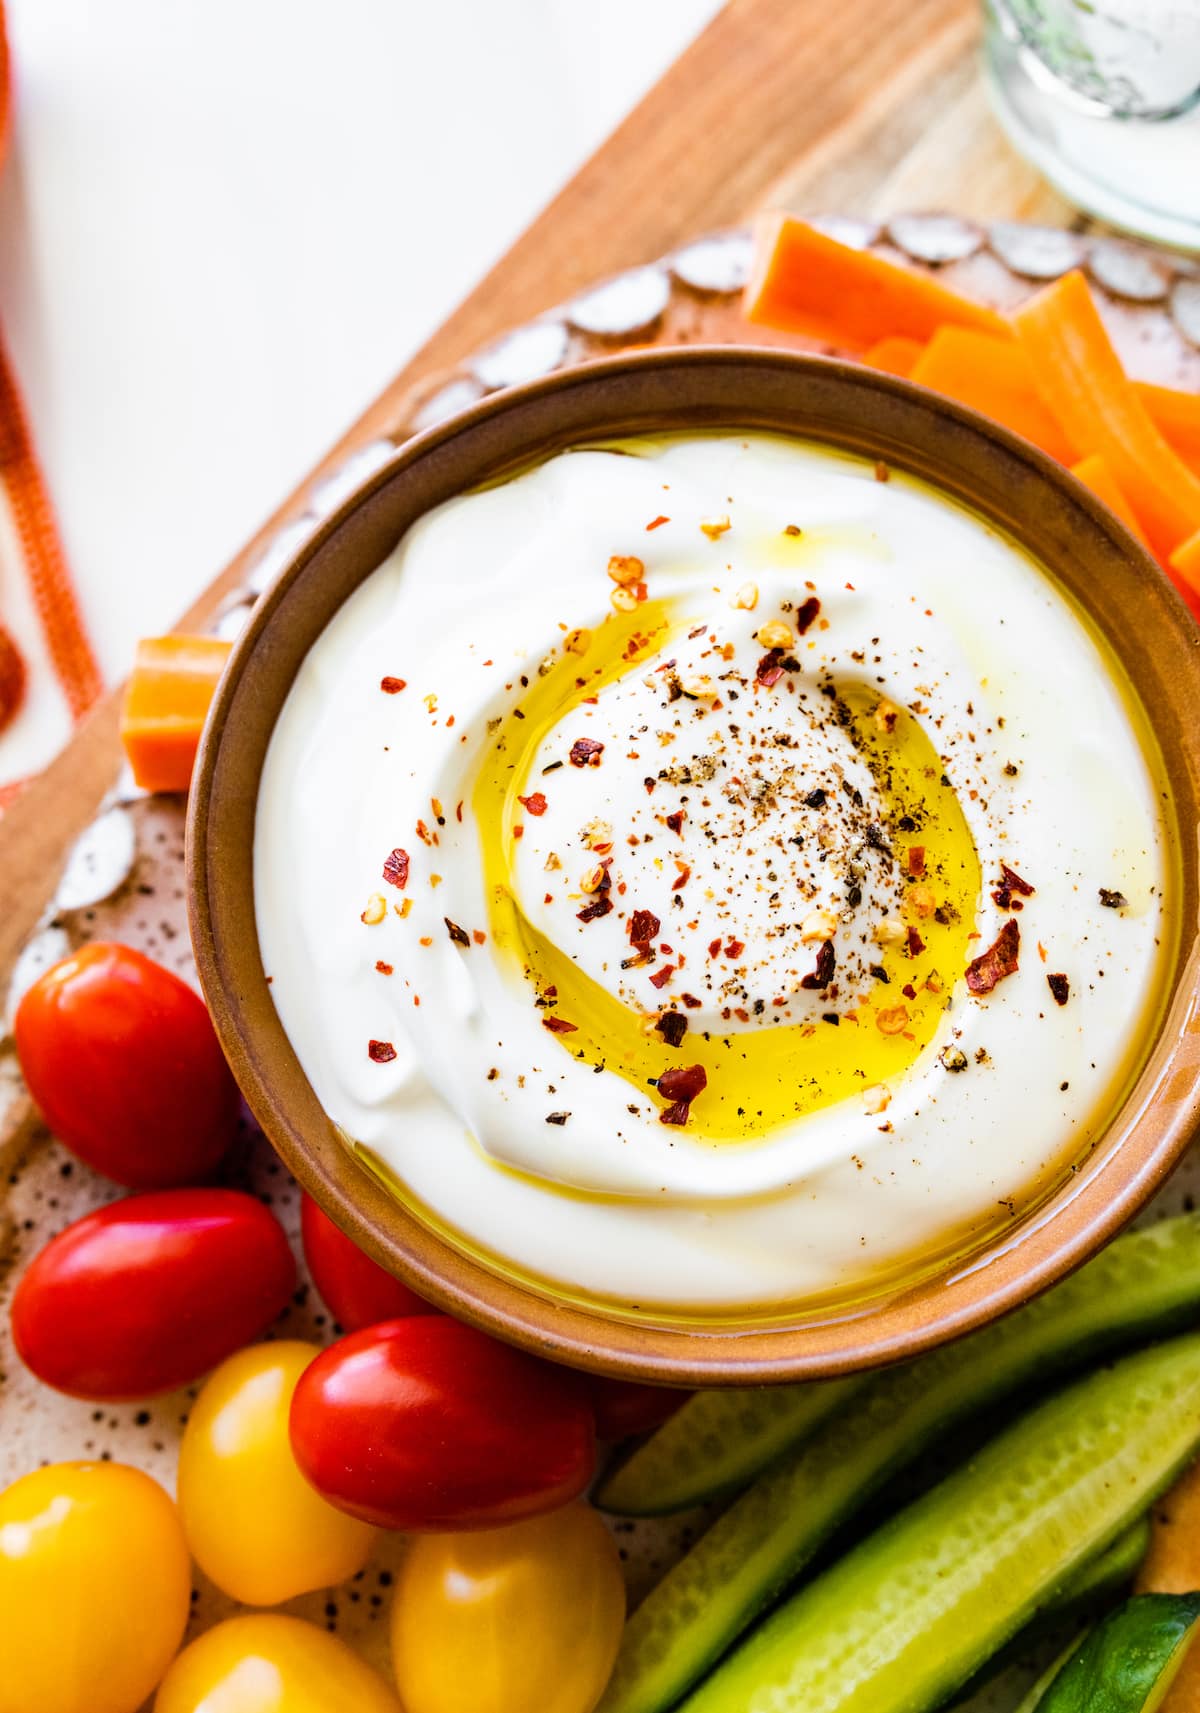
(1082, 545)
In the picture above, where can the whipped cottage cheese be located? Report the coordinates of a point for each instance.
(703, 874)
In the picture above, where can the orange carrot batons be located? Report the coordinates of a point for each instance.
(166, 703)
(994, 377)
(894, 355)
(1178, 417)
(1080, 379)
(805, 282)
(1095, 474)
(1183, 568)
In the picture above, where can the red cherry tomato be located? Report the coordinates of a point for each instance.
(623, 1408)
(356, 1290)
(426, 1424)
(122, 1059)
(151, 1292)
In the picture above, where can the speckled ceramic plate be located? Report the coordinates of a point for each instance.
(124, 879)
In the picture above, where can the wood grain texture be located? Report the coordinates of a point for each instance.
(866, 104)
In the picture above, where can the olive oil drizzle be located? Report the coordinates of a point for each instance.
(759, 1078)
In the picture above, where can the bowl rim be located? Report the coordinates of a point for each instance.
(1155, 1121)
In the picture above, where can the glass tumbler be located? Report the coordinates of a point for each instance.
(1104, 97)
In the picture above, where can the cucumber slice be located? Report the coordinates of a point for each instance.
(1127, 1663)
(1106, 1575)
(716, 1444)
(1096, 1586)
(719, 1441)
(914, 1610)
(1144, 1284)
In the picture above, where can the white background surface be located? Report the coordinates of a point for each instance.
(224, 224)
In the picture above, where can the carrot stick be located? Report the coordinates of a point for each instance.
(1183, 566)
(894, 355)
(1178, 417)
(1172, 1563)
(1095, 474)
(166, 702)
(807, 283)
(1080, 380)
(994, 377)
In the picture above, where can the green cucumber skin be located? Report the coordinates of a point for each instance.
(1106, 1575)
(906, 1618)
(1145, 1284)
(716, 1444)
(1127, 1663)
(1093, 1588)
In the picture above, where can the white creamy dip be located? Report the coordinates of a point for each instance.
(711, 752)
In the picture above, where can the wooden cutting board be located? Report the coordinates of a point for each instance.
(871, 105)
(876, 107)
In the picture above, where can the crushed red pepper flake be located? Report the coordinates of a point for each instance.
(770, 668)
(882, 473)
(457, 934)
(643, 954)
(806, 613)
(478, 935)
(916, 861)
(661, 977)
(649, 782)
(1060, 987)
(916, 944)
(586, 752)
(657, 523)
(591, 912)
(392, 686)
(643, 926)
(559, 1026)
(683, 1082)
(384, 969)
(535, 803)
(683, 876)
(672, 1026)
(381, 1051)
(676, 819)
(998, 961)
(680, 1087)
(714, 947)
(826, 965)
(691, 1001)
(395, 868)
(734, 948)
(1011, 890)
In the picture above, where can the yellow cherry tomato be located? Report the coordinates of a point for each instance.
(94, 1589)
(527, 1616)
(251, 1519)
(271, 1664)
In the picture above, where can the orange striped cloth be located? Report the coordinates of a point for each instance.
(31, 554)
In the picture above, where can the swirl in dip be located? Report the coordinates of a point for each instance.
(705, 874)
